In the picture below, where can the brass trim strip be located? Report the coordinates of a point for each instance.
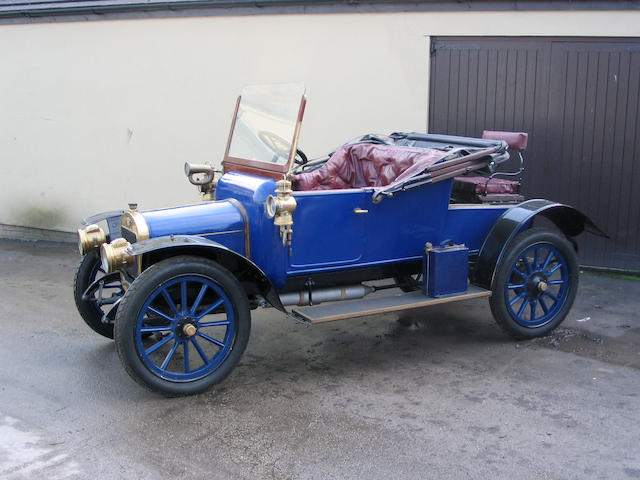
(247, 233)
(217, 233)
(233, 125)
(296, 133)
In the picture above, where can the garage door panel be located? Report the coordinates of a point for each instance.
(629, 214)
(578, 100)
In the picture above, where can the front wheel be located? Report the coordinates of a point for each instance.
(93, 308)
(535, 283)
(182, 326)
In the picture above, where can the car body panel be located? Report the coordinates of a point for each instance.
(327, 231)
(220, 221)
(266, 248)
(330, 236)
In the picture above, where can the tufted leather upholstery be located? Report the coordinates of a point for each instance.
(367, 165)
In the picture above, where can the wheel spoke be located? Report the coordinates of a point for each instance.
(211, 339)
(512, 286)
(522, 307)
(535, 258)
(546, 261)
(520, 272)
(533, 304)
(552, 296)
(545, 309)
(160, 314)
(155, 329)
(200, 351)
(553, 269)
(515, 299)
(556, 282)
(196, 304)
(186, 357)
(169, 301)
(210, 309)
(526, 262)
(169, 356)
(183, 297)
(213, 324)
(161, 343)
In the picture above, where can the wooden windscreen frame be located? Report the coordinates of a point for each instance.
(271, 170)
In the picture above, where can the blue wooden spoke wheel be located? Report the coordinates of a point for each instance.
(182, 326)
(535, 283)
(92, 309)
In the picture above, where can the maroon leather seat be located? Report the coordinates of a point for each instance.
(367, 165)
(476, 185)
(515, 140)
(496, 186)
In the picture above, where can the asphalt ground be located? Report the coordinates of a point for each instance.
(435, 393)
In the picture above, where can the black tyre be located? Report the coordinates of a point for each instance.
(92, 309)
(197, 319)
(535, 283)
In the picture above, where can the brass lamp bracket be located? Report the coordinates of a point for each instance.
(281, 208)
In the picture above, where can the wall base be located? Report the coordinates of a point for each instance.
(32, 234)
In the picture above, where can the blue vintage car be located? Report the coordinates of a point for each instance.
(423, 216)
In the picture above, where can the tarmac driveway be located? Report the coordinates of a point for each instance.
(436, 393)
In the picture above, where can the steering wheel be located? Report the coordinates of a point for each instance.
(280, 146)
(301, 158)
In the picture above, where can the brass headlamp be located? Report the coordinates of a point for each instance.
(133, 228)
(281, 208)
(90, 238)
(114, 255)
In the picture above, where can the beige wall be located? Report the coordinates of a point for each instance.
(95, 114)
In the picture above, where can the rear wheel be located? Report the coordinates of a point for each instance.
(535, 283)
(197, 319)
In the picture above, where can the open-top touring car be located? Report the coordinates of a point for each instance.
(422, 215)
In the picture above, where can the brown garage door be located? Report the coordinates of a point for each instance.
(579, 101)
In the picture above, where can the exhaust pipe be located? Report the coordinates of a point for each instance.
(350, 292)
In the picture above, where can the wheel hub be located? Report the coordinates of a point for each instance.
(186, 328)
(537, 284)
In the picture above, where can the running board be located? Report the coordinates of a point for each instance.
(372, 306)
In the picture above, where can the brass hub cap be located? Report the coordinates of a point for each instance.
(189, 329)
(537, 284)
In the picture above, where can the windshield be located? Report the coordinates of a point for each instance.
(265, 125)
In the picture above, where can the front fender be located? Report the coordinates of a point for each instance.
(569, 220)
(155, 249)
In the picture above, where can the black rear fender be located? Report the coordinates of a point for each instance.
(570, 221)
